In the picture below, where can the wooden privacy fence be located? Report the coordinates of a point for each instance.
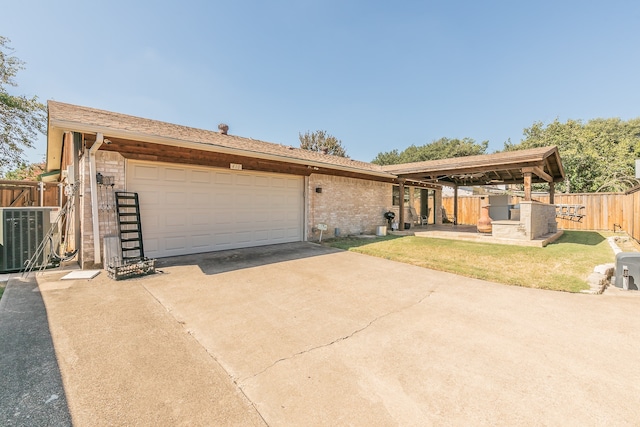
(29, 193)
(602, 211)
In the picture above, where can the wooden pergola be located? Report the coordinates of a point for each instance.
(535, 165)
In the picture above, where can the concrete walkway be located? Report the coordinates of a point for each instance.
(31, 391)
(299, 334)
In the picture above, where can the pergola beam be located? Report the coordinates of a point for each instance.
(539, 172)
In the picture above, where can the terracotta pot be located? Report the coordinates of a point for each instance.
(484, 222)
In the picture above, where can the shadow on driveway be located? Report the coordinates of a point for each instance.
(238, 259)
(31, 390)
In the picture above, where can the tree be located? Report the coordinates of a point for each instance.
(443, 148)
(597, 156)
(321, 141)
(21, 118)
(26, 172)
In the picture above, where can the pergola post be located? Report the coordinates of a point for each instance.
(552, 193)
(401, 204)
(527, 186)
(455, 204)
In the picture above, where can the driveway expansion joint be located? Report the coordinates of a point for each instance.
(346, 337)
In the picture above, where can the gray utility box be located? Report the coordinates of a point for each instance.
(628, 265)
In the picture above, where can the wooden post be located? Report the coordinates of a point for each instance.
(527, 186)
(401, 204)
(552, 193)
(455, 205)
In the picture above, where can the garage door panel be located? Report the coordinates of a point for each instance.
(262, 236)
(175, 174)
(243, 237)
(151, 244)
(200, 199)
(175, 243)
(224, 178)
(175, 198)
(201, 241)
(244, 180)
(277, 182)
(261, 181)
(175, 221)
(278, 233)
(151, 197)
(146, 172)
(244, 218)
(200, 177)
(195, 209)
(222, 199)
(201, 219)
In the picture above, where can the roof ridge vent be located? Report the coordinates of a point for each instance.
(223, 128)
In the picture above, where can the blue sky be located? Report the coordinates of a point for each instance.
(377, 75)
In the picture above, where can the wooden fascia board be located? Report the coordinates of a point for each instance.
(451, 170)
(421, 184)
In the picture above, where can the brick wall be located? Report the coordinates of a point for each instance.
(109, 164)
(355, 206)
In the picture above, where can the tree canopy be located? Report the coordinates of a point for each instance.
(321, 141)
(21, 118)
(443, 148)
(26, 172)
(597, 156)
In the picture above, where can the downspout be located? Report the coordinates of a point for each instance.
(41, 188)
(94, 197)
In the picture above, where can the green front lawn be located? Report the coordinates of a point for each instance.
(563, 265)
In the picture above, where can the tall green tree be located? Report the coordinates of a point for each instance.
(321, 141)
(597, 156)
(443, 148)
(21, 118)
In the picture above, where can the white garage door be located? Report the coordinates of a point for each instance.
(188, 209)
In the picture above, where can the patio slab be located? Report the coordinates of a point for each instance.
(469, 233)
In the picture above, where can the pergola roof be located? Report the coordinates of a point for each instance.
(500, 168)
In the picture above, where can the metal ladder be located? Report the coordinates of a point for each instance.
(129, 226)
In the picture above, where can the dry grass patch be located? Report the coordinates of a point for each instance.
(563, 265)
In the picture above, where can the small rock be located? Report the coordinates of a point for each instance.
(602, 269)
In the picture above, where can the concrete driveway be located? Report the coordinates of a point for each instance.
(299, 334)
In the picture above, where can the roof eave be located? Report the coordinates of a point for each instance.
(157, 139)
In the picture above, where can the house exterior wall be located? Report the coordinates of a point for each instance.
(109, 164)
(354, 206)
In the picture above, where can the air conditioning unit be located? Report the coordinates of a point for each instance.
(23, 230)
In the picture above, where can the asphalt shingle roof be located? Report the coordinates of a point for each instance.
(87, 119)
